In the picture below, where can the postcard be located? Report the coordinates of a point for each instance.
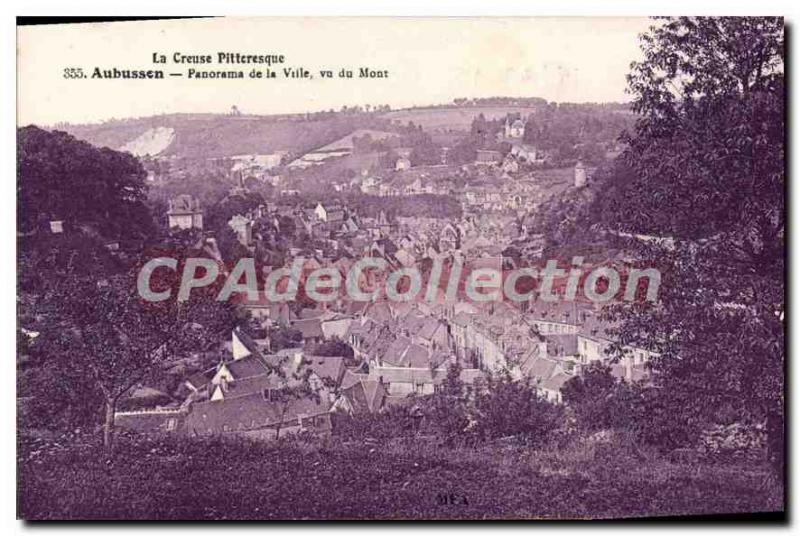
(401, 269)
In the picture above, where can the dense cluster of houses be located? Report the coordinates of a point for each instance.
(400, 350)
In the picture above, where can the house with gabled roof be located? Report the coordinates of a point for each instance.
(310, 329)
(263, 309)
(184, 212)
(260, 415)
(400, 381)
(542, 369)
(152, 421)
(562, 344)
(330, 371)
(245, 386)
(361, 394)
(328, 212)
(595, 338)
(336, 326)
(199, 381)
(551, 388)
(557, 317)
(242, 344)
(432, 334)
(402, 352)
(245, 367)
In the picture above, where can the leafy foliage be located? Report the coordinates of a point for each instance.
(706, 168)
(61, 178)
(513, 408)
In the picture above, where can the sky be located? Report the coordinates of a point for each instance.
(430, 61)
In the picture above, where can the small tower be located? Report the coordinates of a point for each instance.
(580, 175)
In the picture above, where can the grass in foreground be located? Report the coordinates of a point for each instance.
(226, 479)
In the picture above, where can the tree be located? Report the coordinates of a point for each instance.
(62, 178)
(705, 167)
(514, 408)
(601, 401)
(98, 338)
(284, 337)
(100, 329)
(447, 408)
(388, 159)
(107, 333)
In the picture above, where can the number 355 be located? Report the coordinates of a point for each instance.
(73, 72)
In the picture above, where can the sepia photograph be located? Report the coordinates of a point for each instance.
(401, 268)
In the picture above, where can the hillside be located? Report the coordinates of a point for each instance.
(346, 142)
(214, 136)
(454, 118)
(152, 142)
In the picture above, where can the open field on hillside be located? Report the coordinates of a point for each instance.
(211, 136)
(453, 118)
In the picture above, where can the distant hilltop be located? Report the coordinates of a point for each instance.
(206, 135)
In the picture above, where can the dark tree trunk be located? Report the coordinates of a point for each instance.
(108, 425)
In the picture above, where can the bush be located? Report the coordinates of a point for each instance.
(392, 423)
(514, 408)
(654, 416)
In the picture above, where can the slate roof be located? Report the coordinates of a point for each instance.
(396, 350)
(331, 368)
(379, 312)
(248, 412)
(366, 396)
(542, 369)
(556, 382)
(335, 216)
(416, 356)
(361, 327)
(310, 328)
(429, 328)
(201, 379)
(253, 384)
(252, 365)
(562, 344)
(351, 378)
(151, 421)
